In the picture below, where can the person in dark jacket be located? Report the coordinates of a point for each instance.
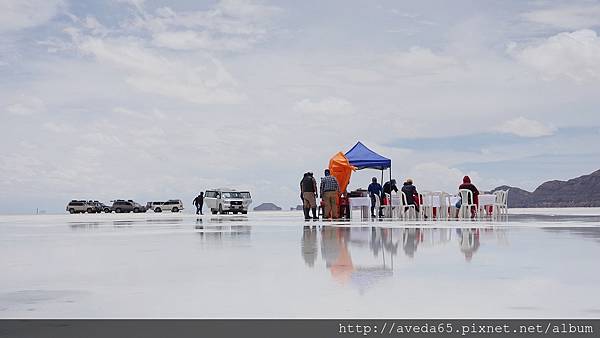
(387, 189)
(374, 190)
(470, 186)
(199, 202)
(412, 196)
(308, 192)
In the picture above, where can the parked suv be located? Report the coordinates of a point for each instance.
(170, 205)
(223, 201)
(120, 206)
(99, 206)
(79, 206)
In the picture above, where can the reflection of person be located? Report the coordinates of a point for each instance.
(374, 192)
(309, 246)
(330, 191)
(469, 242)
(199, 202)
(410, 241)
(334, 250)
(308, 191)
(411, 193)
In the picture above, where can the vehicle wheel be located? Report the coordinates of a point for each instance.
(136, 210)
(118, 210)
(107, 210)
(89, 210)
(244, 212)
(71, 211)
(213, 211)
(175, 209)
(235, 212)
(158, 210)
(221, 212)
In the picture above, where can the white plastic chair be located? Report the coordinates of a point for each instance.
(467, 204)
(387, 209)
(411, 213)
(500, 206)
(443, 211)
(377, 206)
(426, 206)
(426, 209)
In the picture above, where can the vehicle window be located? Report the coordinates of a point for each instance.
(210, 194)
(232, 195)
(245, 194)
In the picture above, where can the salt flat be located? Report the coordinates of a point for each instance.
(538, 263)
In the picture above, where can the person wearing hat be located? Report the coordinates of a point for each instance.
(412, 196)
(374, 190)
(330, 191)
(308, 194)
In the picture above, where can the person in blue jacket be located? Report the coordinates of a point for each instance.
(374, 190)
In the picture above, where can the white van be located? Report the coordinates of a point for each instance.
(223, 201)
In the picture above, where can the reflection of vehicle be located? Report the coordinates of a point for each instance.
(76, 206)
(120, 206)
(170, 205)
(227, 200)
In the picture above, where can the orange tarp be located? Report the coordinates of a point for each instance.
(341, 169)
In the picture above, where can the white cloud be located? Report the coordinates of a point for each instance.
(573, 55)
(26, 105)
(330, 106)
(58, 128)
(419, 60)
(193, 40)
(20, 14)
(524, 127)
(571, 17)
(231, 25)
(201, 80)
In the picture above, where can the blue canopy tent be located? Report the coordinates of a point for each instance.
(364, 158)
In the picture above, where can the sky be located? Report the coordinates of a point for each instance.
(153, 100)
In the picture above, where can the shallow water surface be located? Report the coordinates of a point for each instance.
(272, 265)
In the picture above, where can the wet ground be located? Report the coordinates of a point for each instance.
(540, 263)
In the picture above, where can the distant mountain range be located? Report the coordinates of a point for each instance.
(583, 191)
(267, 207)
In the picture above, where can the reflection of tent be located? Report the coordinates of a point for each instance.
(341, 169)
(362, 157)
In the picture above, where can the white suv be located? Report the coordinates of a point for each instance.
(223, 201)
(170, 205)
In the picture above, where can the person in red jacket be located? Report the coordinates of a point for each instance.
(469, 186)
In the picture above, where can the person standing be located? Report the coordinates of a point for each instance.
(330, 191)
(308, 191)
(388, 187)
(199, 202)
(374, 190)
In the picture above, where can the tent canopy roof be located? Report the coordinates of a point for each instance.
(362, 157)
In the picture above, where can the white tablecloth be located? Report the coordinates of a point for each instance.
(487, 199)
(359, 201)
(434, 201)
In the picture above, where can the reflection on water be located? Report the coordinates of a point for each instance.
(343, 249)
(141, 265)
(125, 223)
